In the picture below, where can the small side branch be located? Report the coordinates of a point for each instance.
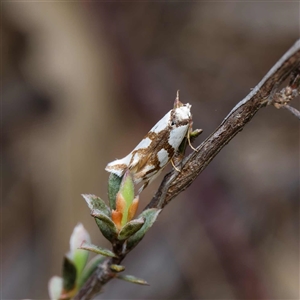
(293, 110)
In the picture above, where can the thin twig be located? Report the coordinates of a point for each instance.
(293, 110)
(176, 182)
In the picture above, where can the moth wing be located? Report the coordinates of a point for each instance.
(162, 123)
(140, 154)
(177, 135)
(149, 179)
(149, 155)
(159, 154)
(130, 161)
(119, 166)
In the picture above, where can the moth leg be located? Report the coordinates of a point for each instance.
(189, 141)
(174, 166)
(192, 134)
(143, 187)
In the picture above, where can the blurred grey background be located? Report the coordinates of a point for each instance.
(82, 83)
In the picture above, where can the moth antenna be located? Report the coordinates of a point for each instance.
(174, 166)
(177, 102)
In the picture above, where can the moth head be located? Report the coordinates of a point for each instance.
(181, 115)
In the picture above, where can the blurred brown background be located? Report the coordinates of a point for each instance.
(82, 83)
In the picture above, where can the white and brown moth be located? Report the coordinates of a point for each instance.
(158, 147)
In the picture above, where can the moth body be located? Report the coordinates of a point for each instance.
(152, 154)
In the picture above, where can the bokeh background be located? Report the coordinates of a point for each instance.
(83, 82)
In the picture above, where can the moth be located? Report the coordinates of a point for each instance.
(147, 160)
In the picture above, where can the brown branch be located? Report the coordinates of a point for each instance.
(176, 182)
(235, 121)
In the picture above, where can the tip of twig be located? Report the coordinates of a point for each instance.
(293, 111)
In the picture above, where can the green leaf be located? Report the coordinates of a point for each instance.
(114, 182)
(127, 192)
(106, 225)
(106, 231)
(106, 220)
(98, 250)
(130, 228)
(132, 279)
(69, 274)
(150, 215)
(95, 202)
(90, 269)
(79, 257)
(117, 268)
(195, 133)
(127, 188)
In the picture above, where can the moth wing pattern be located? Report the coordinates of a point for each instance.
(144, 149)
(147, 160)
(119, 166)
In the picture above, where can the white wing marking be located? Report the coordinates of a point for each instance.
(176, 135)
(115, 166)
(144, 143)
(162, 123)
(163, 157)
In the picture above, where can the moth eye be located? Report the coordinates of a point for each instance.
(173, 123)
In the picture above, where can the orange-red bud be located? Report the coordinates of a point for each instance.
(133, 208)
(116, 217)
(120, 203)
(126, 205)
